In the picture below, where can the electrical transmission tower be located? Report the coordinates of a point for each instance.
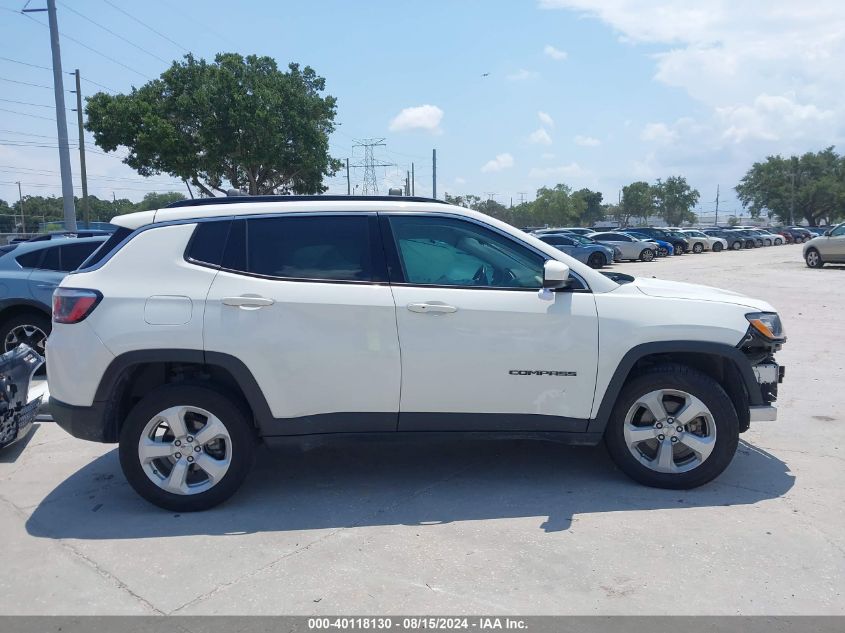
(369, 187)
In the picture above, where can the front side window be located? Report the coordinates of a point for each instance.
(445, 251)
(319, 248)
(839, 231)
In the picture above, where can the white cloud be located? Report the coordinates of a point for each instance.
(460, 181)
(523, 75)
(572, 170)
(554, 53)
(658, 133)
(587, 141)
(424, 117)
(540, 137)
(502, 161)
(547, 156)
(772, 118)
(546, 119)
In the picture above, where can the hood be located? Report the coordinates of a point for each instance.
(678, 290)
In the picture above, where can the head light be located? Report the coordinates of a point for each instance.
(768, 324)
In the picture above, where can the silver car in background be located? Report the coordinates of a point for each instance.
(631, 247)
(584, 250)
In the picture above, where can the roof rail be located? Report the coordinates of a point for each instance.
(333, 198)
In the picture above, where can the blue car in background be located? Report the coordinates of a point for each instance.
(664, 248)
(29, 271)
(583, 249)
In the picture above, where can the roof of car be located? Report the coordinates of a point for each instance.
(257, 205)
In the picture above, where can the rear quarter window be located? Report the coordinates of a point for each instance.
(107, 247)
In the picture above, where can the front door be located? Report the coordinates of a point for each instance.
(482, 349)
(303, 301)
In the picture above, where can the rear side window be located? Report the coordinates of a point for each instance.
(30, 260)
(320, 248)
(72, 255)
(208, 242)
(107, 247)
(52, 259)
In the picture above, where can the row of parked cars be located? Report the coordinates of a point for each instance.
(600, 247)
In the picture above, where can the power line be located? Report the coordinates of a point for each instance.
(34, 116)
(26, 83)
(16, 61)
(108, 30)
(94, 83)
(28, 103)
(146, 26)
(93, 50)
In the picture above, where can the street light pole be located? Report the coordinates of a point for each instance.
(23, 220)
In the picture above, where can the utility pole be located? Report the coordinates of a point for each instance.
(717, 206)
(407, 183)
(23, 219)
(369, 164)
(434, 173)
(61, 118)
(348, 182)
(521, 195)
(413, 193)
(792, 203)
(86, 207)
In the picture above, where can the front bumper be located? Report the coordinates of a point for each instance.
(16, 414)
(769, 375)
(763, 413)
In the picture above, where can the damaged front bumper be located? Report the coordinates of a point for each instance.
(17, 412)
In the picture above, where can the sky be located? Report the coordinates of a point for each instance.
(513, 94)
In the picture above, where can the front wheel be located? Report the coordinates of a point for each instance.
(717, 247)
(647, 255)
(186, 448)
(673, 427)
(596, 260)
(813, 258)
(778, 241)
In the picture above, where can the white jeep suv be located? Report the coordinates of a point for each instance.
(200, 328)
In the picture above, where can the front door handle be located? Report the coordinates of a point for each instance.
(247, 302)
(433, 308)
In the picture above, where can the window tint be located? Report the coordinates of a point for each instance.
(107, 247)
(839, 231)
(335, 248)
(556, 240)
(52, 259)
(72, 255)
(29, 260)
(208, 242)
(450, 252)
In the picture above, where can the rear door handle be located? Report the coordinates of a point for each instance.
(247, 302)
(434, 308)
(47, 285)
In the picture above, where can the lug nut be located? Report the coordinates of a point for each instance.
(661, 437)
(178, 442)
(680, 429)
(178, 455)
(674, 439)
(197, 449)
(190, 459)
(659, 425)
(190, 439)
(670, 420)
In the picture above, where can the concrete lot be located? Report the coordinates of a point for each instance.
(477, 527)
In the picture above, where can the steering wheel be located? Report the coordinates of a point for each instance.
(480, 276)
(503, 277)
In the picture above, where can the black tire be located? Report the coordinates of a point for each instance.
(698, 248)
(596, 260)
(229, 411)
(694, 382)
(737, 246)
(717, 247)
(767, 242)
(778, 241)
(28, 319)
(647, 255)
(813, 258)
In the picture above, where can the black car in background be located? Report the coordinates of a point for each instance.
(677, 241)
(735, 241)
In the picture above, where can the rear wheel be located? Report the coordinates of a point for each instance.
(647, 255)
(596, 260)
(31, 328)
(673, 427)
(186, 447)
(737, 245)
(698, 247)
(813, 258)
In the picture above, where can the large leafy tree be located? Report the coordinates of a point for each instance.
(237, 120)
(674, 200)
(637, 201)
(810, 186)
(593, 209)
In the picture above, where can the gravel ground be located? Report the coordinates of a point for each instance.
(466, 527)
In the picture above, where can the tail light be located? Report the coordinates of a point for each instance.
(72, 305)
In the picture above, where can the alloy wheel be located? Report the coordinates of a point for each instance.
(813, 259)
(670, 431)
(31, 335)
(185, 450)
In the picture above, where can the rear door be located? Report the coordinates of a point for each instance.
(303, 301)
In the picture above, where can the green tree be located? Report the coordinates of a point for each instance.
(593, 210)
(810, 186)
(155, 200)
(637, 201)
(674, 200)
(238, 120)
(557, 206)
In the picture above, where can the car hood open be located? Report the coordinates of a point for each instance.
(679, 290)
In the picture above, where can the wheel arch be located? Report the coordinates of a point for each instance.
(133, 374)
(9, 309)
(725, 364)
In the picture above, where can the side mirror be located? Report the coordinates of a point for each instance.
(827, 233)
(555, 274)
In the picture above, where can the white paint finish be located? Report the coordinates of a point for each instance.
(459, 362)
(76, 360)
(168, 310)
(319, 348)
